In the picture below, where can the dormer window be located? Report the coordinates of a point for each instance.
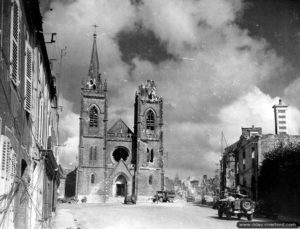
(150, 120)
(93, 117)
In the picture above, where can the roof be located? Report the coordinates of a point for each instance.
(94, 64)
(120, 127)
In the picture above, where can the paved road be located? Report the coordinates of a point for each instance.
(140, 216)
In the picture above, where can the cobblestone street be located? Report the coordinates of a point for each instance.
(140, 216)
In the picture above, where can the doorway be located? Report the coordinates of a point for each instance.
(121, 186)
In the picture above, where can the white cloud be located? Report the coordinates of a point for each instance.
(210, 87)
(69, 133)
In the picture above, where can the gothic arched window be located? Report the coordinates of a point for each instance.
(148, 155)
(92, 178)
(150, 179)
(93, 117)
(150, 120)
(151, 156)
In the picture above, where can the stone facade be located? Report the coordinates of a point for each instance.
(28, 119)
(117, 162)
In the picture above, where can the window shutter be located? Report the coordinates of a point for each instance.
(8, 160)
(15, 26)
(13, 164)
(5, 157)
(28, 78)
(2, 157)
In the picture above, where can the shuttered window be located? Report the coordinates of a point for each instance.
(15, 27)
(28, 78)
(4, 150)
(7, 175)
(8, 159)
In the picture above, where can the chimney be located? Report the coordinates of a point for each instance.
(280, 118)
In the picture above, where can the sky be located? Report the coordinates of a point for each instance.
(219, 65)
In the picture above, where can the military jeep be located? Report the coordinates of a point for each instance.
(239, 206)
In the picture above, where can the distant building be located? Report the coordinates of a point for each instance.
(168, 184)
(116, 161)
(191, 186)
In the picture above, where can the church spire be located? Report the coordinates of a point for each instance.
(94, 64)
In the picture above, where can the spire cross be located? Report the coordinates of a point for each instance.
(95, 26)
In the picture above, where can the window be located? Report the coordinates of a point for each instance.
(15, 32)
(282, 122)
(95, 153)
(28, 77)
(282, 127)
(253, 156)
(150, 120)
(148, 155)
(150, 179)
(91, 153)
(151, 155)
(7, 174)
(120, 153)
(93, 117)
(92, 178)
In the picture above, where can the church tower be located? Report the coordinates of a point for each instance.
(91, 174)
(148, 128)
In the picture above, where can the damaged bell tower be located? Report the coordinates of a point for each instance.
(148, 129)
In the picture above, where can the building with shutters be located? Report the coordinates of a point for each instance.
(114, 160)
(28, 119)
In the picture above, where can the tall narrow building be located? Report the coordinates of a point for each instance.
(117, 162)
(280, 111)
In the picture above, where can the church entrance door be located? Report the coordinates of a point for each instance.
(121, 186)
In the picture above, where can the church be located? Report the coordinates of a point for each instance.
(115, 161)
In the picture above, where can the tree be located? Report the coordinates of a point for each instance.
(279, 180)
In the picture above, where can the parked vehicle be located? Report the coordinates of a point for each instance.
(164, 196)
(190, 199)
(239, 206)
